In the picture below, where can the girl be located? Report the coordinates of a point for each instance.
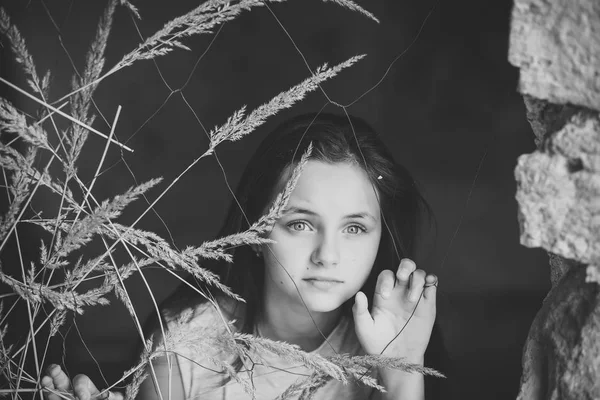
(337, 278)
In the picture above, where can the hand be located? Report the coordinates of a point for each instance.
(396, 298)
(60, 387)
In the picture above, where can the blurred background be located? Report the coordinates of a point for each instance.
(447, 106)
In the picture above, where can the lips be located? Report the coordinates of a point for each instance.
(323, 283)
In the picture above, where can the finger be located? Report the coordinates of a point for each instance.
(60, 380)
(417, 283)
(84, 388)
(104, 395)
(361, 305)
(115, 396)
(362, 316)
(384, 286)
(406, 267)
(48, 383)
(431, 283)
(55, 394)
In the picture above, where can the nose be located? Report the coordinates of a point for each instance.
(327, 251)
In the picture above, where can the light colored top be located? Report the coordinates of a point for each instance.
(200, 339)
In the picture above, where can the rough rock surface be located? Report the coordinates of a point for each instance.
(559, 192)
(556, 44)
(561, 359)
(592, 273)
(559, 267)
(545, 117)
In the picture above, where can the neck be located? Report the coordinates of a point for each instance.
(294, 325)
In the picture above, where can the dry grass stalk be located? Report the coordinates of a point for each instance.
(17, 44)
(237, 127)
(80, 101)
(256, 233)
(78, 221)
(201, 20)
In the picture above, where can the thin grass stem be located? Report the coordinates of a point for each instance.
(67, 116)
(89, 189)
(30, 317)
(132, 309)
(50, 114)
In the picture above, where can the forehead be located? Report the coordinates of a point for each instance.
(333, 188)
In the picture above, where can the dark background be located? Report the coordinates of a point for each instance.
(448, 108)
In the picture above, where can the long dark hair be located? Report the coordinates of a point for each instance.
(335, 139)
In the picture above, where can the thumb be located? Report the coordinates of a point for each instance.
(83, 387)
(363, 321)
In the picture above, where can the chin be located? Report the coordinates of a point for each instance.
(322, 303)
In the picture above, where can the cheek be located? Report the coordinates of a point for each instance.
(364, 262)
(273, 263)
(278, 257)
(361, 256)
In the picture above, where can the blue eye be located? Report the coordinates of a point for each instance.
(298, 226)
(355, 229)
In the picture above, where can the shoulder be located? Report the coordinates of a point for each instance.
(198, 336)
(204, 314)
(188, 302)
(189, 313)
(186, 355)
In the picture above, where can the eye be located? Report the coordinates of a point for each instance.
(355, 229)
(298, 226)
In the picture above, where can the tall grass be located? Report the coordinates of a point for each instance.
(32, 164)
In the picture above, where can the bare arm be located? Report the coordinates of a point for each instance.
(401, 385)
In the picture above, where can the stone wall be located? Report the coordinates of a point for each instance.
(556, 46)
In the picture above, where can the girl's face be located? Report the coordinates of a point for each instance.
(327, 239)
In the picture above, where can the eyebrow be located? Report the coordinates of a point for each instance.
(299, 210)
